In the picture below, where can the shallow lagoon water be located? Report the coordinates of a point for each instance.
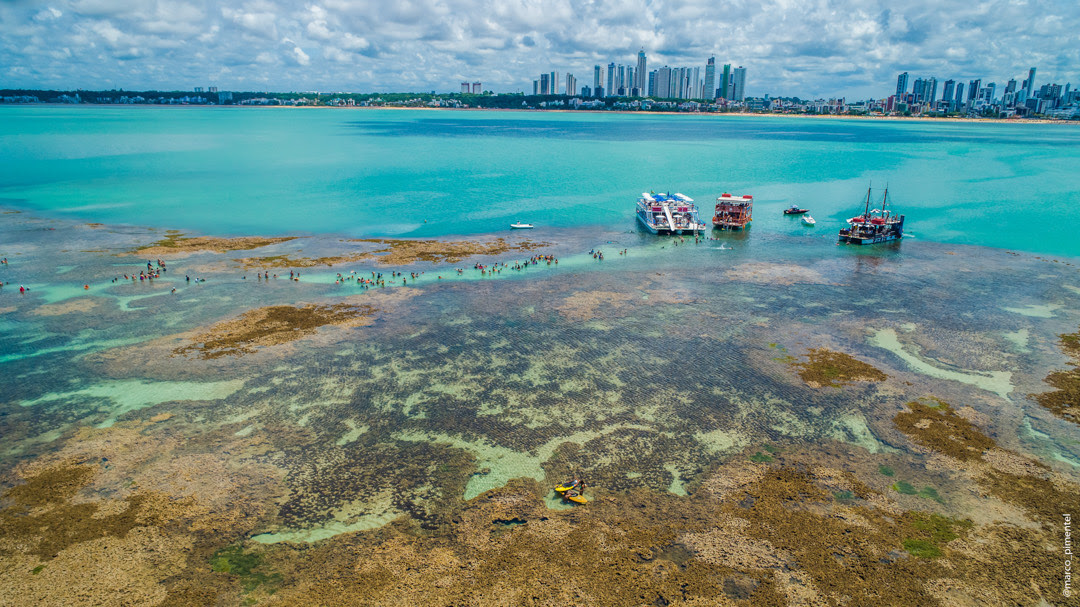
(422, 173)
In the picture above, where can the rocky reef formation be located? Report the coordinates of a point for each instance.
(1064, 401)
(273, 325)
(176, 243)
(405, 252)
(828, 368)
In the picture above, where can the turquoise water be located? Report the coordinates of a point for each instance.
(433, 173)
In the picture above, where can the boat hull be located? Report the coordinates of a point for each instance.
(729, 225)
(873, 227)
(663, 230)
(860, 240)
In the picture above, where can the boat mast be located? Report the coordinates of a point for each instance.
(885, 201)
(866, 213)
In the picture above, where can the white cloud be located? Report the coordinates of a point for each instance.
(300, 56)
(803, 47)
(48, 14)
(263, 24)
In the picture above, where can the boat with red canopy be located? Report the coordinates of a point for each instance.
(733, 212)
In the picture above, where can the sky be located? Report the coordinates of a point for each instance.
(839, 48)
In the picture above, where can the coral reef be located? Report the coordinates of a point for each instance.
(176, 243)
(273, 325)
(938, 427)
(1064, 401)
(828, 368)
(405, 252)
(109, 520)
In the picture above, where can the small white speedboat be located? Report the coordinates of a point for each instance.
(808, 220)
(521, 226)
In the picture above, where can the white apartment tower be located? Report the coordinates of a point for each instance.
(641, 75)
(709, 88)
(738, 80)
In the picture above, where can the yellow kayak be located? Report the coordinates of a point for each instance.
(571, 491)
(567, 486)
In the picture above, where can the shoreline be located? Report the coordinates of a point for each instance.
(939, 119)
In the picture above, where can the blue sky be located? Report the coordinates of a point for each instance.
(852, 48)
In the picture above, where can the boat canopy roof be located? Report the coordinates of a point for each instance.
(726, 196)
(666, 198)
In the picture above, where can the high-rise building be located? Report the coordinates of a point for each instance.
(464, 87)
(476, 88)
(933, 89)
(973, 89)
(650, 91)
(918, 90)
(536, 87)
(901, 84)
(725, 82)
(959, 95)
(611, 80)
(571, 84)
(641, 73)
(663, 82)
(950, 90)
(709, 87)
(695, 84)
(738, 88)
(545, 84)
(631, 78)
(1030, 81)
(597, 79)
(1050, 92)
(620, 80)
(554, 83)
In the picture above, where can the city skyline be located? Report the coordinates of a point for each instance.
(665, 82)
(281, 45)
(1017, 97)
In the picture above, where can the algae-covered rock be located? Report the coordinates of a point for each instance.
(1064, 401)
(273, 325)
(828, 368)
(404, 252)
(175, 242)
(941, 429)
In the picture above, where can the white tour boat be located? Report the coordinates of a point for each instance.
(668, 214)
